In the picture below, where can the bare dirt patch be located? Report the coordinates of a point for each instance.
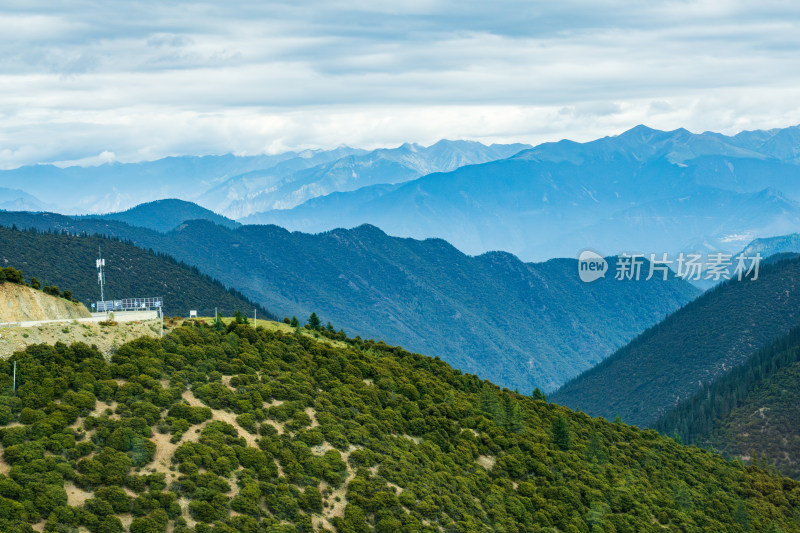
(322, 449)
(224, 416)
(334, 507)
(76, 497)
(106, 338)
(397, 488)
(312, 414)
(101, 408)
(486, 461)
(5, 468)
(162, 459)
(184, 503)
(21, 303)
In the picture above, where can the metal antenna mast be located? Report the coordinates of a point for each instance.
(101, 276)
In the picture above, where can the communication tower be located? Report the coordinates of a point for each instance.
(101, 276)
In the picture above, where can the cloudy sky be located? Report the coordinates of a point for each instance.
(93, 81)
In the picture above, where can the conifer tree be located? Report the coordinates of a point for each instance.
(561, 436)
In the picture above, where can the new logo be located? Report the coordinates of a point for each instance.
(591, 266)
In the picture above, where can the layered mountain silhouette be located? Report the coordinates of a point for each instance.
(644, 190)
(165, 215)
(17, 200)
(238, 186)
(354, 171)
(524, 325)
(694, 346)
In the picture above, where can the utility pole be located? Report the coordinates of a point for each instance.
(161, 312)
(15, 376)
(255, 318)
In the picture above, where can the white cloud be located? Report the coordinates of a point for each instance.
(91, 161)
(147, 79)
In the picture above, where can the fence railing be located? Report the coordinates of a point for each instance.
(129, 304)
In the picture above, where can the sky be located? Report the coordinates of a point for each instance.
(90, 82)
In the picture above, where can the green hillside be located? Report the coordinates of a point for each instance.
(522, 325)
(267, 431)
(752, 412)
(68, 262)
(695, 345)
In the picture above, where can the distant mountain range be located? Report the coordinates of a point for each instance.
(17, 200)
(782, 244)
(644, 190)
(522, 325)
(694, 346)
(278, 189)
(238, 186)
(116, 186)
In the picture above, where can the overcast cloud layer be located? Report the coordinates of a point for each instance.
(97, 81)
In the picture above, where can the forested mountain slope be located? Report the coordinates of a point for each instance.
(68, 262)
(520, 324)
(255, 430)
(695, 345)
(752, 412)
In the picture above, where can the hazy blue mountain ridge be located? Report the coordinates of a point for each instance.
(165, 215)
(378, 167)
(639, 191)
(238, 185)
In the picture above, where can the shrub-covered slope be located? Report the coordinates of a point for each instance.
(695, 345)
(752, 412)
(68, 262)
(254, 430)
